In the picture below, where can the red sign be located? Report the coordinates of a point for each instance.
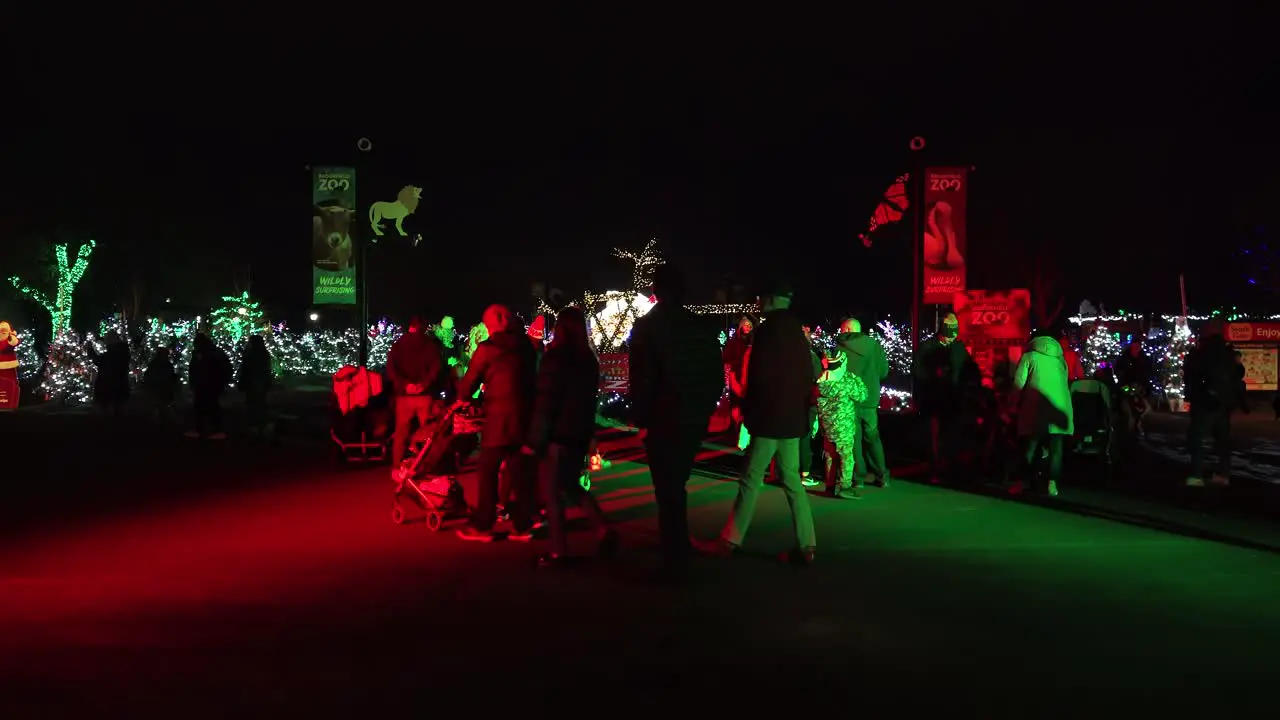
(946, 193)
(989, 317)
(615, 373)
(1253, 332)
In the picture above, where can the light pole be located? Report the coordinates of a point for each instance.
(917, 240)
(364, 145)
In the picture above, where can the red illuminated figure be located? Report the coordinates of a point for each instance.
(8, 367)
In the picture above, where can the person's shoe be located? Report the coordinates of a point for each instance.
(520, 535)
(193, 434)
(503, 515)
(1220, 480)
(609, 543)
(809, 481)
(881, 482)
(799, 557)
(1194, 481)
(471, 534)
(1053, 488)
(846, 493)
(715, 546)
(218, 436)
(1017, 487)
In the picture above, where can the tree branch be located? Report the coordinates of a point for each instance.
(32, 293)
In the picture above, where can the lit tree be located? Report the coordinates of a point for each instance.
(69, 274)
(237, 319)
(1101, 347)
(68, 374)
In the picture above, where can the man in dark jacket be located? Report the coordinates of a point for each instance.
(676, 379)
(506, 365)
(936, 386)
(417, 371)
(1211, 380)
(868, 361)
(780, 382)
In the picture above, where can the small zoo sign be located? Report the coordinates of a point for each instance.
(333, 258)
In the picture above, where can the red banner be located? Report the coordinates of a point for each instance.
(1253, 332)
(994, 325)
(946, 192)
(615, 373)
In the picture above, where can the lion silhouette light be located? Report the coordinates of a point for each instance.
(331, 237)
(405, 204)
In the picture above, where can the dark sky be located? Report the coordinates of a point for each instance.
(1111, 146)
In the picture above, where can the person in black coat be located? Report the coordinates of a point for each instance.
(111, 386)
(563, 425)
(1213, 384)
(418, 372)
(936, 387)
(506, 365)
(676, 379)
(209, 375)
(254, 380)
(780, 386)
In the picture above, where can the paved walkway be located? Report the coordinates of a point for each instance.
(163, 574)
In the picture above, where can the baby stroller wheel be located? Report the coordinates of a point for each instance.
(433, 521)
(397, 514)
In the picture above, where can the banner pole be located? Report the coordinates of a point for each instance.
(917, 246)
(363, 145)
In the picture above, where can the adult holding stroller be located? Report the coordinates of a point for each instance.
(506, 365)
(560, 434)
(209, 375)
(416, 368)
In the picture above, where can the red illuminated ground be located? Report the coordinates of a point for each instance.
(202, 580)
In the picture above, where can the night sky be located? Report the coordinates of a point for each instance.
(1118, 150)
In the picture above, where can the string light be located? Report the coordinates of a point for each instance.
(29, 362)
(724, 309)
(68, 373)
(69, 275)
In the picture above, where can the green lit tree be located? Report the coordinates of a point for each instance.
(69, 274)
(233, 323)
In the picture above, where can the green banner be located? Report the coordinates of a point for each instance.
(333, 256)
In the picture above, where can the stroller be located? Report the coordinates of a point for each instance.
(1094, 426)
(359, 419)
(429, 477)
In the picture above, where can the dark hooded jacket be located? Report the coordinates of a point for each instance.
(868, 361)
(1211, 377)
(780, 378)
(567, 391)
(507, 365)
(937, 375)
(676, 377)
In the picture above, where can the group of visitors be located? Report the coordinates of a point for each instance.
(209, 375)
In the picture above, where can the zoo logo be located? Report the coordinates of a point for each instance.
(945, 184)
(988, 317)
(333, 183)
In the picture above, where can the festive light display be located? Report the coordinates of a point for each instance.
(1170, 367)
(724, 309)
(29, 362)
(896, 341)
(68, 373)
(69, 274)
(611, 324)
(893, 205)
(1101, 348)
(645, 261)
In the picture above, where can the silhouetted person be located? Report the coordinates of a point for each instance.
(255, 380)
(676, 381)
(417, 370)
(780, 386)
(1212, 381)
(506, 365)
(936, 387)
(209, 376)
(111, 386)
(160, 383)
(563, 426)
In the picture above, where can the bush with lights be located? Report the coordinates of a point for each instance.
(68, 373)
(29, 362)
